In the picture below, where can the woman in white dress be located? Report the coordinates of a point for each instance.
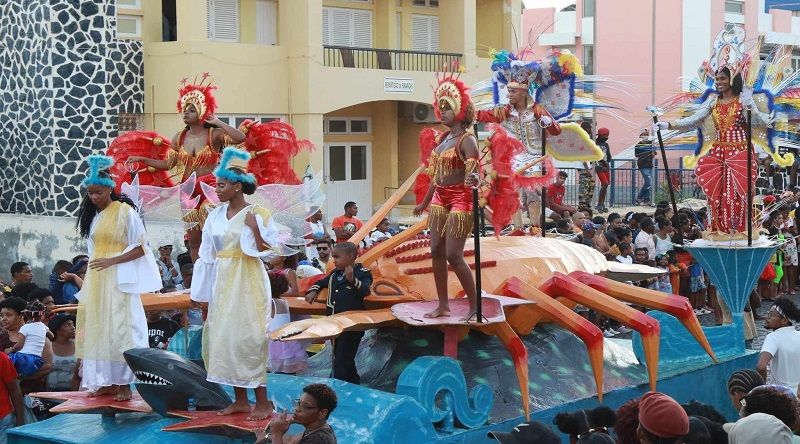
(110, 317)
(230, 276)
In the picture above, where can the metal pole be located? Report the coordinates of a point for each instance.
(542, 217)
(476, 236)
(749, 179)
(675, 220)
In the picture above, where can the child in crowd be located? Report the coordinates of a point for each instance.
(697, 289)
(663, 284)
(287, 357)
(381, 232)
(626, 253)
(640, 256)
(26, 354)
(348, 284)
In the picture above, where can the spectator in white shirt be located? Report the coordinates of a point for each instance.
(781, 349)
(645, 237)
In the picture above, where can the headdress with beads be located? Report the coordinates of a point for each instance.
(98, 171)
(728, 52)
(198, 94)
(233, 166)
(452, 92)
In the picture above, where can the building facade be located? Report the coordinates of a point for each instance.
(654, 56)
(353, 76)
(66, 79)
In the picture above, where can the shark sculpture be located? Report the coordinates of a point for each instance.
(166, 381)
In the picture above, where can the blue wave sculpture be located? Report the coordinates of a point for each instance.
(429, 376)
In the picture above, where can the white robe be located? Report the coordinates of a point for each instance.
(229, 274)
(111, 318)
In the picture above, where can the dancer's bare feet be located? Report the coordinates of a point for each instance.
(236, 407)
(123, 393)
(107, 390)
(471, 317)
(261, 412)
(439, 312)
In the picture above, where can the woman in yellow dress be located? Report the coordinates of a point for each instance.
(111, 318)
(230, 276)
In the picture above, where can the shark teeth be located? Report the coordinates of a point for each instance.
(149, 378)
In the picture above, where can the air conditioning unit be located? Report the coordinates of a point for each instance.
(423, 113)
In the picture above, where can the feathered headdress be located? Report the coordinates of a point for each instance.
(233, 166)
(198, 94)
(509, 69)
(452, 92)
(98, 171)
(728, 52)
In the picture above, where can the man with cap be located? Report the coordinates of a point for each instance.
(588, 232)
(527, 432)
(758, 428)
(661, 419)
(603, 169)
(170, 278)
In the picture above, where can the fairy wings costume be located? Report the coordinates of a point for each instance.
(720, 154)
(271, 145)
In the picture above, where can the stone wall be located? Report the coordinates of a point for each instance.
(43, 240)
(64, 80)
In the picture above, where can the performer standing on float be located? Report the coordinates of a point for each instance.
(524, 119)
(110, 317)
(452, 167)
(230, 276)
(721, 121)
(196, 148)
(539, 93)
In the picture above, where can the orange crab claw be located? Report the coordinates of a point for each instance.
(520, 356)
(563, 316)
(563, 286)
(677, 306)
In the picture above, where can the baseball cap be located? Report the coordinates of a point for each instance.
(527, 432)
(590, 226)
(662, 416)
(603, 132)
(758, 428)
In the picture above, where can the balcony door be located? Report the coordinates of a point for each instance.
(348, 177)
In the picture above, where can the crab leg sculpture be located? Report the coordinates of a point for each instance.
(534, 279)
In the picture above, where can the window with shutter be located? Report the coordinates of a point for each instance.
(223, 20)
(362, 28)
(424, 33)
(266, 20)
(347, 27)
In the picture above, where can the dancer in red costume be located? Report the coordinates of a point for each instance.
(196, 148)
(452, 169)
(195, 152)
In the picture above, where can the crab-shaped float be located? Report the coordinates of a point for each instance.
(531, 280)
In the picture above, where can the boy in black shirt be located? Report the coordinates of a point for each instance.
(348, 285)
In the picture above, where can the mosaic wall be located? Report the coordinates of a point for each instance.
(64, 79)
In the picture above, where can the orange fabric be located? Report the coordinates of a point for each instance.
(453, 198)
(351, 224)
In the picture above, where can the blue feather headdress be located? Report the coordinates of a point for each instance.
(98, 171)
(233, 166)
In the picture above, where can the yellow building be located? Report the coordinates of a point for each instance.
(353, 76)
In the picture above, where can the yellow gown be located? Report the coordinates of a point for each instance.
(230, 275)
(110, 317)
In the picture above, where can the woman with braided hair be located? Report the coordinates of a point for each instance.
(781, 349)
(740, 383)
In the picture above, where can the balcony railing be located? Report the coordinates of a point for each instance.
(371, 58)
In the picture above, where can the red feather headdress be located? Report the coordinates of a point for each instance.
(198, 94)
(451, 92)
